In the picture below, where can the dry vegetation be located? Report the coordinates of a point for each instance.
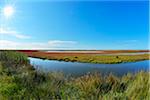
(87, 57)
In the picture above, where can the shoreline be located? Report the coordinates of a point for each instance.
(89, 58)
(85, 62)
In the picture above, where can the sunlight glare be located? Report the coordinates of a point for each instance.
(8, 11)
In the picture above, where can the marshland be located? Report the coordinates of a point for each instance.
(103, 57)
(74, 50)
(20, 80)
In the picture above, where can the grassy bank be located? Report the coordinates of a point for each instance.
(89, 58)
(18, 80)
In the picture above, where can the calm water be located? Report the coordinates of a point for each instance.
(77, 69)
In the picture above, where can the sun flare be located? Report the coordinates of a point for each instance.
(8, 11)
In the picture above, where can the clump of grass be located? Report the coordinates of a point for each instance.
(66, 59)
(12, 58)
(141, 85)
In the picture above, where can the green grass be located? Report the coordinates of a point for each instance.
(24, 82)
(13, 58)
(105, 59)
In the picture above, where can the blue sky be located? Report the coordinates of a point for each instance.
(74, 25)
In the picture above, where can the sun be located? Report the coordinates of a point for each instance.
(8, 11)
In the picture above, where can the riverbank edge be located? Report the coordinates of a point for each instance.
(44, 58)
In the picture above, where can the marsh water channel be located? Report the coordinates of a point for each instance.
(78, 69)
